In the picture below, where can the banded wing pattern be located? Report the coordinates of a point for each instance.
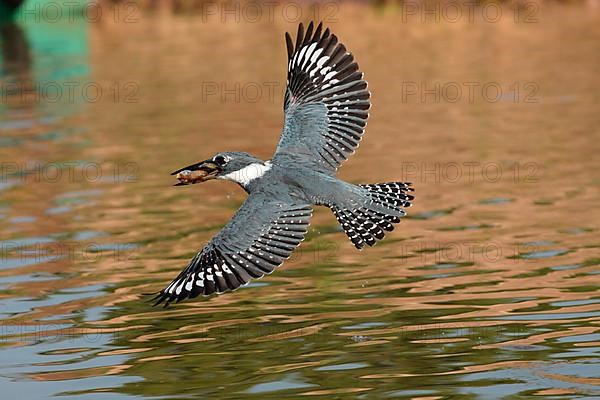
(326, 101)
(258, 239)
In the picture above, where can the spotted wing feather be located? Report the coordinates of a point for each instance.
(326, 101)
(258, 239)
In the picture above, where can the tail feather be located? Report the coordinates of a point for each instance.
(393, 193)
(367, 224)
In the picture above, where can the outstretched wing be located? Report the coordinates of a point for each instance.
(258, 239)
(326, 101)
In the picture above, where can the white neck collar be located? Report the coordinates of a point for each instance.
(247, 174)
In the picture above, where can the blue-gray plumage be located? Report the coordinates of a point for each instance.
(326, 110)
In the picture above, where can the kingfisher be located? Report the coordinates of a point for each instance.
(326, 107)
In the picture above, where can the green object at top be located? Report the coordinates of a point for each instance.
(8, 9)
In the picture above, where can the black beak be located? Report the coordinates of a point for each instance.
(199, 172)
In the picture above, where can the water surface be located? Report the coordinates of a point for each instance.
(488, 290)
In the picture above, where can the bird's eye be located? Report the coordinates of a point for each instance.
(220, 160)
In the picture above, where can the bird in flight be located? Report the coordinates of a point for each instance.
(325, 112)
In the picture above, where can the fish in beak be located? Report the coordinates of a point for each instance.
(199, 172)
